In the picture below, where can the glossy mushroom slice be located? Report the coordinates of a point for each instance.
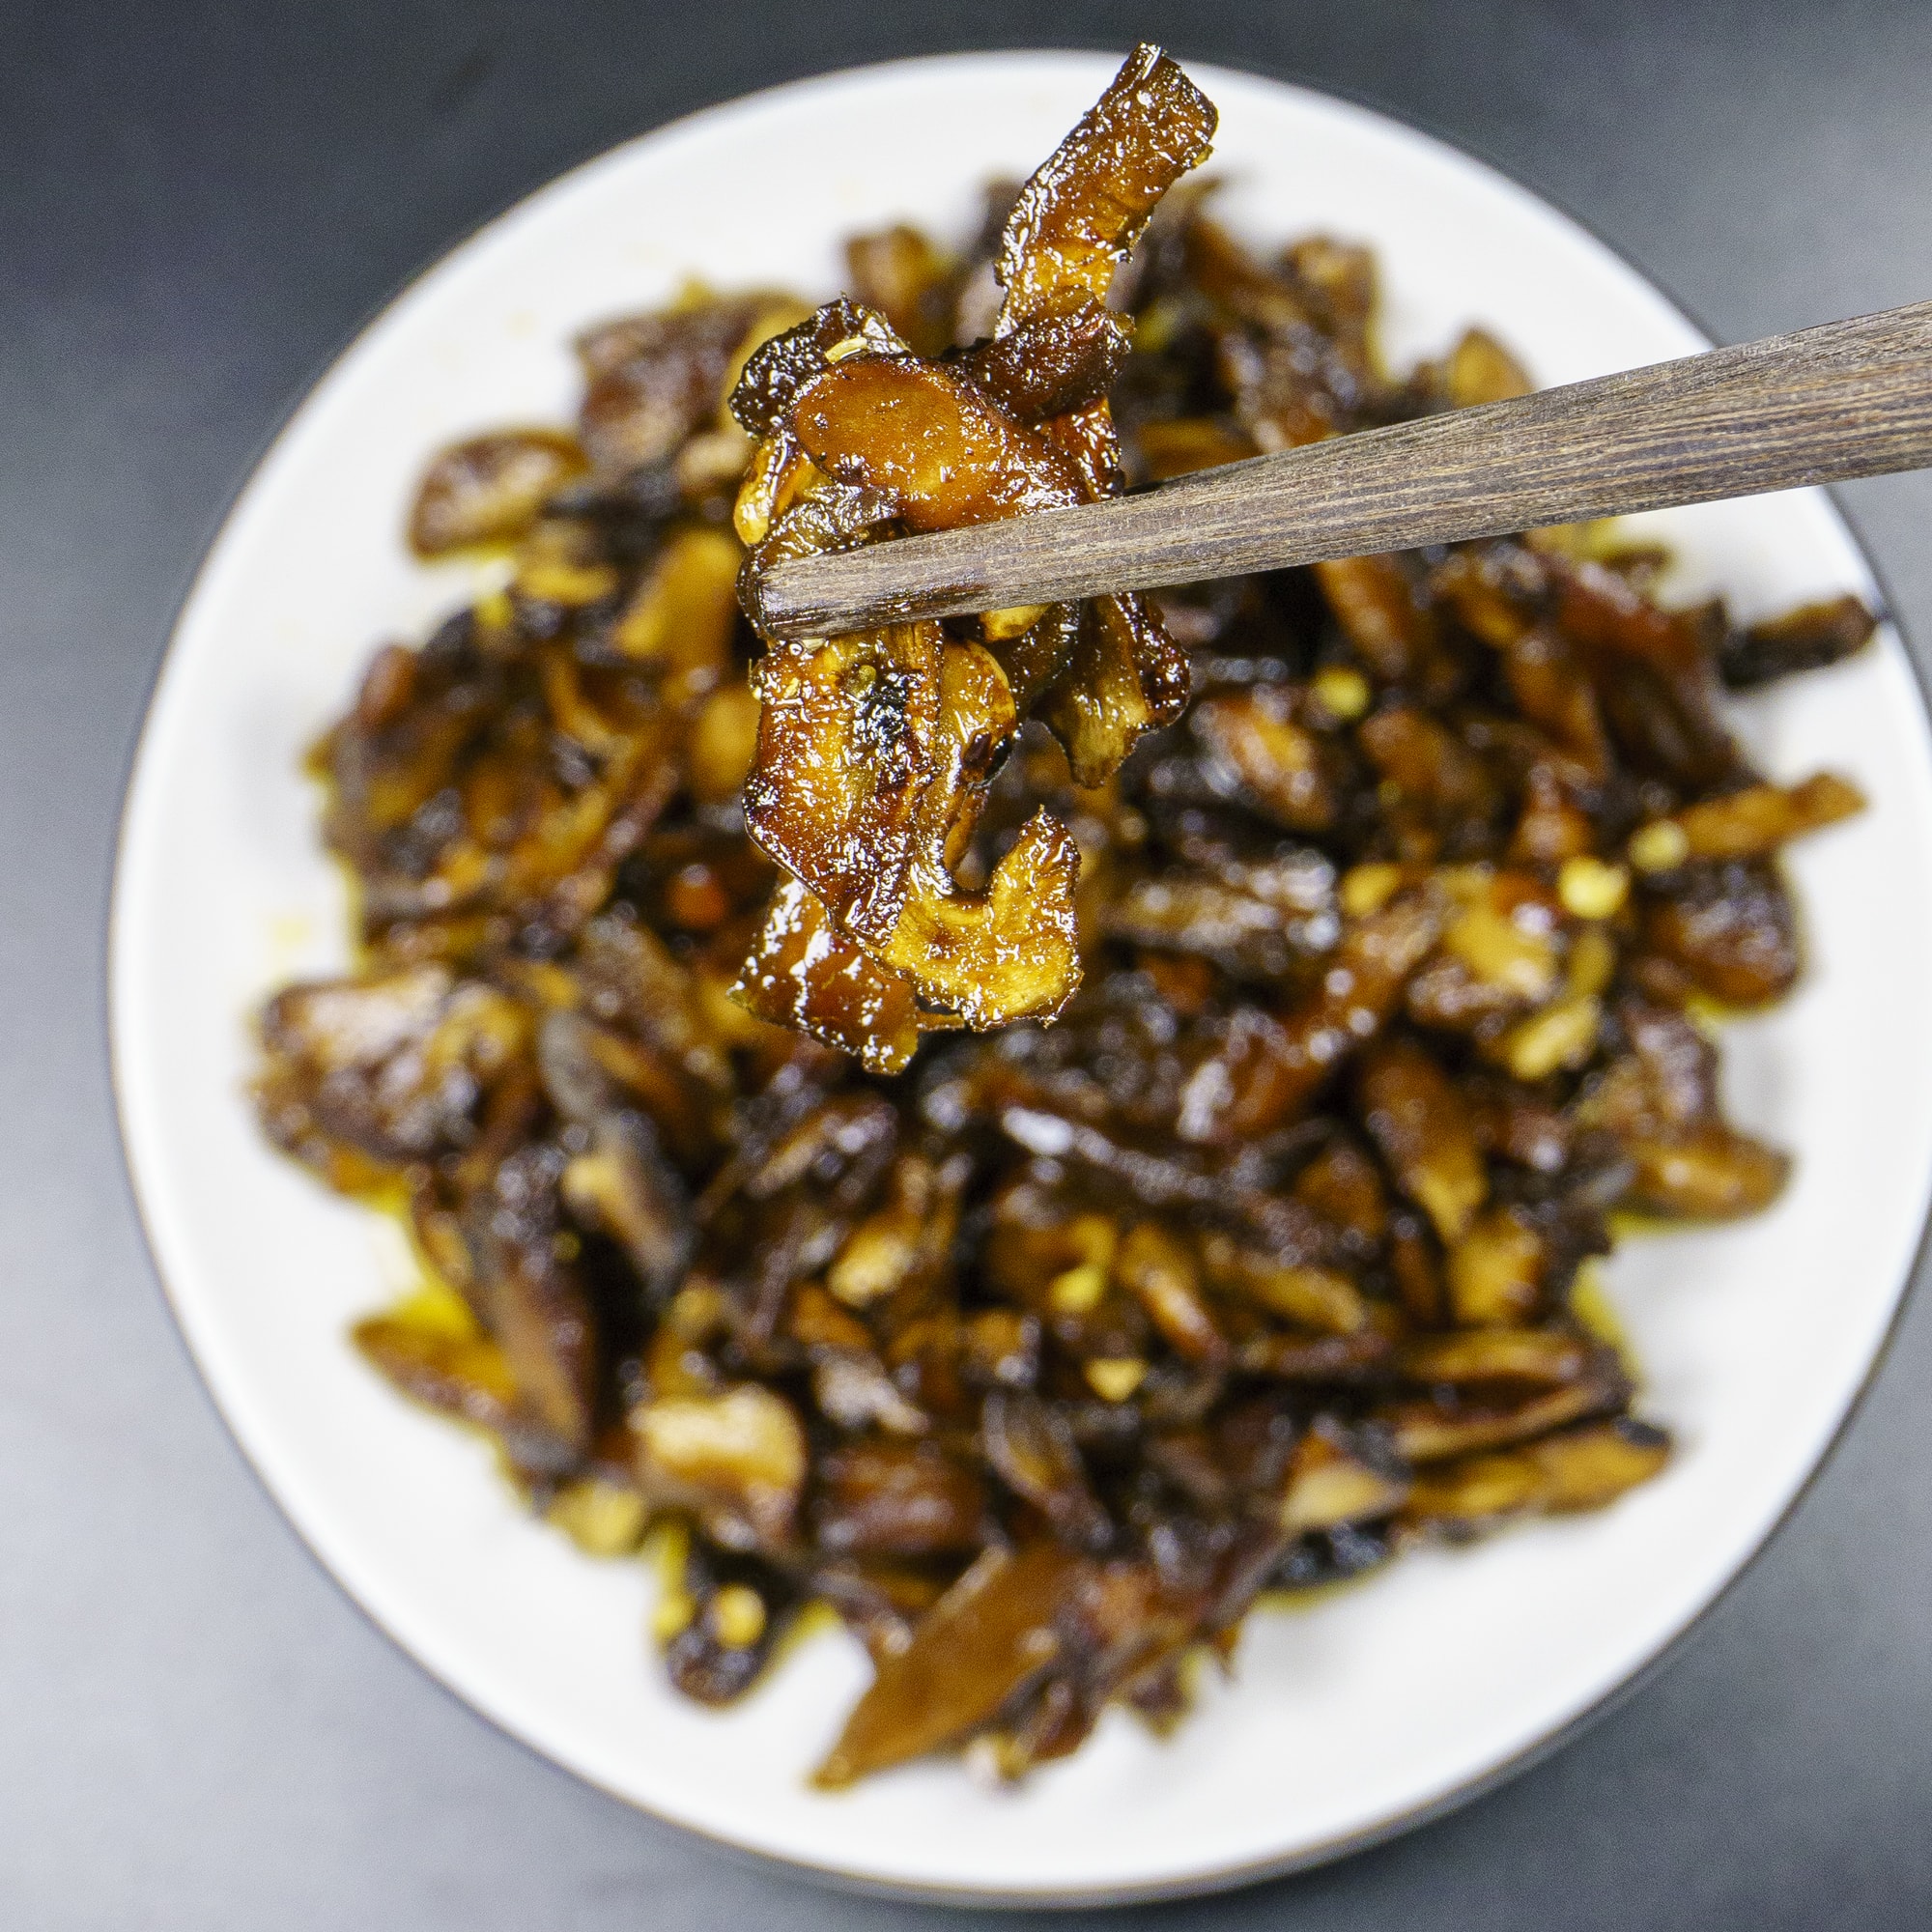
(875, 753)
(620, 1183)
(364, 1075)
(805, 973)
(1658, 1099)
(490, 489)
(1086, 206)
(978, 1650)
(533, 1299)
(874, 749)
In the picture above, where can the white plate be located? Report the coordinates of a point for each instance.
(1343, 1721)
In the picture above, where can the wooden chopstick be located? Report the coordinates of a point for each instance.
(1844, 399)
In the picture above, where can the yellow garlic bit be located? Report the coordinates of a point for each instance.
(1115, 1377)
(1591, 889)
(1658, 847)
(737, 1616)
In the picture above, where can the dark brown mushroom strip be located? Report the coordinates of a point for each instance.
(992, 1634)
(1494, 1270)
(1298, 1292)
(490, 489)
(1659, 1102)
(1323, 1359)
(1745, 824)
(656, 379)
(1416, 1116)
(462, 1375)
(1730, 931)
(1128, 1626)
(897, 1500)
(934, 446)
(620, 1183)
(1052, 361)
(1124, 678)
(1335, 1479)
(1428, 1431)
(532, 1299)
(1375, 604)
(1031, 1448)
(1185, 913)
(1714, 1174)
(1283, 764)
(1162, 1274)
(1428, 769)
(1495, 1355)
(1808, 639)
(1653, 674)
(1575, 1470)
(1085, 207)
(1481, 370)
(1268, 1065)
(391, 1066)
(805, 973)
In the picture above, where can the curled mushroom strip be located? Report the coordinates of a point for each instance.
(876, 748)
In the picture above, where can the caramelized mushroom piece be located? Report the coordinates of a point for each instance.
(898, 1499)
(1574, 1470)
(533, 1299)
(874, 749)
(1660, 1101)
(490, 489)
(1807, 638)
(391, 1066)
(1416, 1116)
(461, 1374)
(992, 1634)
(805, 973)
(886, 741)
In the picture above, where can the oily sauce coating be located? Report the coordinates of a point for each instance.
(1037, 1354)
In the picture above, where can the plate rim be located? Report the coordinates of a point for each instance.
(1222, 1879)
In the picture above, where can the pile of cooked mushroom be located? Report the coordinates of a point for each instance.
(1406, 890)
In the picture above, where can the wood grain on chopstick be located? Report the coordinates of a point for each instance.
(1845, 399)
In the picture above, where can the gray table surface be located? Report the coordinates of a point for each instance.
(197, 206)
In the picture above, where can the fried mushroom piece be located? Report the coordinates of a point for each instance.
(1729, 930)
(366, 1073)
(1659, 1100)
(1571, 1469)
(620, 1183)
(1267, 1066)
(652, 381)
(907, 1499)
(1084, 209)
(990, 1637)
(533, 1299)
(1807, 638)
(874, 749)
(736, 1458)
(805, 973)
(490, 489)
